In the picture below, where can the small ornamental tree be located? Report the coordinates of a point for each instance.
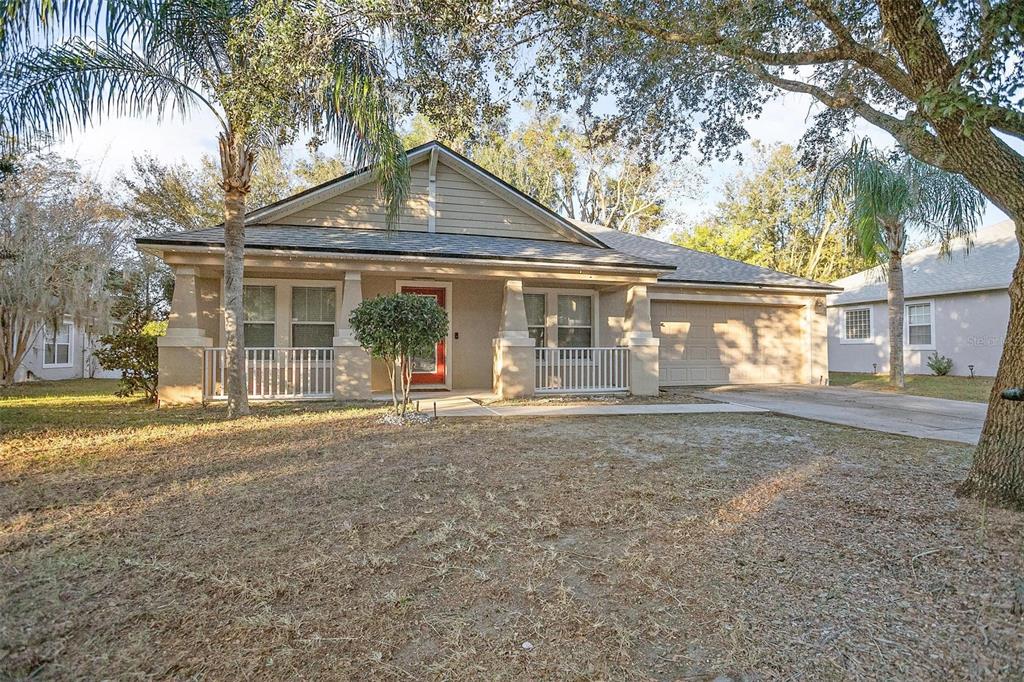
(396, 328)
(132, 349)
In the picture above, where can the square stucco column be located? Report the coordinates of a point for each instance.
(643, 345)
(351, 362)
(515, 362)
(180, 365)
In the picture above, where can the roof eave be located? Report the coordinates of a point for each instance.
(146, 244)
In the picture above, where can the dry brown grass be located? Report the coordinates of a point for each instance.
(318, 544)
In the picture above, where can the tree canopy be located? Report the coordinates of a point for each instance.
(768, 217)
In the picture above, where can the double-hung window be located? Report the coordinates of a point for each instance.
(57, 346)
(575, 321)
(919, 324)
(857, 324)
(312, 317)
(258, 310)
(536, 317)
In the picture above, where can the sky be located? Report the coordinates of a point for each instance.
(106, 149)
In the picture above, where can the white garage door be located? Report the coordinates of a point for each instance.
(718, 343)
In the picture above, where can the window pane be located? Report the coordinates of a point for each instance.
(62, 353)
(920, 313)
(313, 304)
(534, 309)
(312, 335)
(537, 334)
(48, 354)
(258, 304)
(64, 333)
(259, 335)
(920, 335)
(578, 337)
(574, 310)
(858, 323)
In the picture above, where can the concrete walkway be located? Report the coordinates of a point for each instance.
(901, 414)
(462, 406)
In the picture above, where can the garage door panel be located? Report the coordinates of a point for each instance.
(710, 343)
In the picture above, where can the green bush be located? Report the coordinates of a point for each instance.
(132, 349)
(396, 328)
(940, 365)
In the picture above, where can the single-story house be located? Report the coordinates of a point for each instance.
(537, 303)
(64, 351)
(957, 306)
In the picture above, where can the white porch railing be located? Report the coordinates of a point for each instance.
(274, 373)
(582, 370)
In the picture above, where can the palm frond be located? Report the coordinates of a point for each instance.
(48, 92)
(359, 116)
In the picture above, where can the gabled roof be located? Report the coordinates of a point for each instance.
(988, 264)
(277, 212)
(698, 267)
(302, 238)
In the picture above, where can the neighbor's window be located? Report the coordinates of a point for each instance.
(536, 317)
(258, 310)
(313, 317)
(919, 324)
(57, 348)
(575, 326)
(858, 324)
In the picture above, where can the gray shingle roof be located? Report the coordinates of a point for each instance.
(377, 242)
(988, 264)
(697, 266)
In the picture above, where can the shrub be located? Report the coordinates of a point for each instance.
(396, 328)
(132, 349)
(940, 365)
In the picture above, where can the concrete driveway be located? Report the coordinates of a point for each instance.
(906, 415)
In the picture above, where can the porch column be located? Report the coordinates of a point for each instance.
(180, 367)
(351, 362)
(643, 345)
(515, 362)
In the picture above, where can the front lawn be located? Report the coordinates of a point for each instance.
(318, 544)
(952, 388)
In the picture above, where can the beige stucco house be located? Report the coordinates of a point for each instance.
(537, 303)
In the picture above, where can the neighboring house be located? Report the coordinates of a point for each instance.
(62, 353)
(537, 303)
(957, 306)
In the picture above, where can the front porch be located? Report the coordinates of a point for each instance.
(509, 336)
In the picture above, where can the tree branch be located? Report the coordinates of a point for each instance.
(914, 137)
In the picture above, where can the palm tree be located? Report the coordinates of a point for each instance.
(885, 194)
(267, 70)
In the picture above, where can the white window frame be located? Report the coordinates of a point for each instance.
(294, 321)
(70, 324)
(543, 326)
(871, 326)
(551, 308)
(272, 322)
(906, 324)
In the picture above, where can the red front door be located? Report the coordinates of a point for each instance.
(429, 368)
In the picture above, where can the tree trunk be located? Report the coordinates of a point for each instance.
(896, 309)
(997, 470)
(236, 167)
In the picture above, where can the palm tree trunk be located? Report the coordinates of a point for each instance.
(896, 310)
(236, 167)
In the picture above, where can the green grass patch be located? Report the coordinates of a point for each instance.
(952, 388)
(89, 405)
